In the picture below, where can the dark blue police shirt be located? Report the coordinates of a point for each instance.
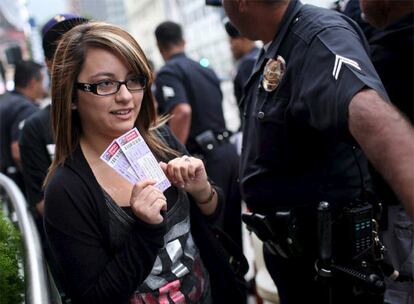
(36, 153)
(14, 109)
(244, 70)
(182, 80)
(297, 149)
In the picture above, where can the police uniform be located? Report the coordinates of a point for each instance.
(392, 52)
(37, 151)
(14, 109)
(182, 80)
(297, 148)
(244, 70)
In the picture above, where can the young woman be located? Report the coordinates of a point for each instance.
(117, 242)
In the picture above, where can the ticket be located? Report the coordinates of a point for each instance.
(142, 160)
(117, 160)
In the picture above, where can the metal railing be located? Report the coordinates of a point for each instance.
(36, 275)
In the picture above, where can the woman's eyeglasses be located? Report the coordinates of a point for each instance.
(110, 87)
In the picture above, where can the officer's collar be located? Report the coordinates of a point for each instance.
(271, 52)
(21, 94)
(17, 93)
(180, 54)
(267, 46)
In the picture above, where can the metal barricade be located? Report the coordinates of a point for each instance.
(36, 275)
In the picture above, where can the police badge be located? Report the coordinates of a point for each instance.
(273, 73)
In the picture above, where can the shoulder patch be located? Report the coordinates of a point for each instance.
(21, 124)
(339, 61)
(168, 92)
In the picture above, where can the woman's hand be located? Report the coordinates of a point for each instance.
(147, 202)
(187, 173)
(190, 174)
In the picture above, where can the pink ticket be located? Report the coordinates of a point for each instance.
(117, 160)
(141, 158)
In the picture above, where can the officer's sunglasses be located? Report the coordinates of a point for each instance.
(109, 87)
(214, 2)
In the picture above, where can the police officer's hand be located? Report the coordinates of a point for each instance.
(186, 172)
(147, 202)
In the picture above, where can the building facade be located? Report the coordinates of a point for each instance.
(143, 17)
(112, 11)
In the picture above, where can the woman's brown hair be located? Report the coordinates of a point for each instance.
(67, 64)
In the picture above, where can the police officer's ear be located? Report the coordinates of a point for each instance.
(49, 63)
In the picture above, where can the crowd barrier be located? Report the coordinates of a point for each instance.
(38, 290)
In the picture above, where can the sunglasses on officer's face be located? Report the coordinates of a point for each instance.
(214, 2)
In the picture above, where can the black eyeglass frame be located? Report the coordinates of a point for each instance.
(93, 87)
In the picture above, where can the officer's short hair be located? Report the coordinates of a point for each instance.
(168, 34)
(24, 72)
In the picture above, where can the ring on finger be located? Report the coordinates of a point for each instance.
(186, 158)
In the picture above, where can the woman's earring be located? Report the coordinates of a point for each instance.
(73, 106)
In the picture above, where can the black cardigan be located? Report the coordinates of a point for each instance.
(76, 220)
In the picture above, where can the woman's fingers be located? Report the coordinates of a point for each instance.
(147, 202)
(144, 184)
(192, 169)
(182, 170)
(158, 205)
(151, 193)
(187, 170)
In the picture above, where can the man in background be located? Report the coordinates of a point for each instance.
(392, 53)
(15, 107)
(352, 9)
(245, 53)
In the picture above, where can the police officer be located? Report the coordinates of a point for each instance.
(392, 49)
(36, 142)
(15, 107)
(314, 96)
(191, 94)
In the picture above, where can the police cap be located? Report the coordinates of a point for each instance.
(55, 28)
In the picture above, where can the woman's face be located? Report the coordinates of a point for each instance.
(107, 116)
